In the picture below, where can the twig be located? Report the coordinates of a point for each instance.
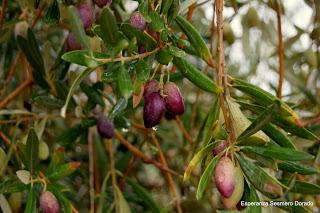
(91, 171)
(219, 12)
(38, 15)
(167, 175)
(280, 47)
(5, 138)
(140, 154)
(129, 58)
(185, 133)
(19, 89)
(113, 174)
(3, 13)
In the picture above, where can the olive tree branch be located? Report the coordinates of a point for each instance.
(280, 49)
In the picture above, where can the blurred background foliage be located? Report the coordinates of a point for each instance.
(251, 53)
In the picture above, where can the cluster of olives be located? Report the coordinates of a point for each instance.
(87, 15)
(170, 103)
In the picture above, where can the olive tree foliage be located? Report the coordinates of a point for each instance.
(158, 106)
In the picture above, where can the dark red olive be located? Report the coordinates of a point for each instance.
(137, 21)
(174, 99)
(105, 127)
(86, 12)
(150, 87)
(153, 110)
(71, 43)
(49, 203)
(141, 49)
(102, 3)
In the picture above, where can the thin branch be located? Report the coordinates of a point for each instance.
(113, 173)
(141, 155)
(91, 171)
(3, 13)
(219, 12)
(129, 58)
(185, 133)
(280, 49)
(167, 175)
(5, 138)
(20, 88)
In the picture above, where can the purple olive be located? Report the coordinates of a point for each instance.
(141, 49)
(174, 99)
(49, 203)
(150, 87)
(86, 12)
(137, 21)
(102, 3)
(225, 176)
(153, 110)
(105, 127)
(71, 43)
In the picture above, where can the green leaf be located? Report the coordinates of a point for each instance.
(109, 28)
(197, 158)
(142, 38)
(52, 15)
(142, 70)
(62, 171)
(31, 50)
(31, 204)
(265, 98)
(253, 197)
(196, 76)
(278, 136)
(56, 159)
(70, 135)
(278, 152)
(206, 177)
(118, 108)
(32, 152)
(282, 122)
(205, 132)
(123, 204)
(144, 10)
(261, 180)
(175, 51)
(144, 195)
(260, 122)
(77, 27)
(297, 167)
(84, 58)
(92, 94)
(173, 11)
(65, 204)
(165, 6)
(195, 39)
(157, 24)
(124, 82)
(303, 187)
(48, 102)
(75, 83)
